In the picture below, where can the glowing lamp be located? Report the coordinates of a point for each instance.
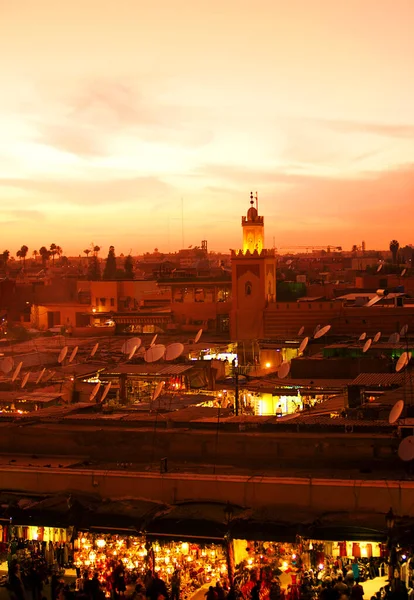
(101, 543)
(321, 566)
(268, 365)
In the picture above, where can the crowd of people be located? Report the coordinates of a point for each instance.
(35, 580)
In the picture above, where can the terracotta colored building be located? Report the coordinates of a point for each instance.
(253, 279)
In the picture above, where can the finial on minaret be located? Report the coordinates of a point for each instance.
(251, 198)
(257, 203)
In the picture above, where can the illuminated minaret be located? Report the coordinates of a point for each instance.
(253, 228)
(253, 279)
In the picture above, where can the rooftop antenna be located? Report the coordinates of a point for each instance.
(173, 351)
(106, 391)
(283, 370)
(396, 411)
(367, 345)
(303, 345)
(321, 332)
(182, 222)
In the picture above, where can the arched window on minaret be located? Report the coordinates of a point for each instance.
(248, 288)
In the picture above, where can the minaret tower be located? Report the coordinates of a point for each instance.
(253, 228)
(253, 279)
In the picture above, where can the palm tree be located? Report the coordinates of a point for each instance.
(23, 253)
(96, 250)
(53, 252)
(394, 247)
(59, 251)
(87, 252)
(45, 254)
(5, 257)
(35, 254)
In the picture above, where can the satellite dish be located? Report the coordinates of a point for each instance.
(401, 362)
(394, 338)
(379, 268)
(322, 332)
(367, 346)
(362, 337)
(377, 337)
(129, 344)
(395, 412)
(25, 380)
(74, 353)
(16, 371)
(7, 364)
(131, 354)
(301, 330)
(316, 330)
(106, 391)
(283, 370)
(155, 353)
(157, 391)
(94, 391)
(303, 345)
(373, 301)
(404, 330)
(403, 272)
(198, 336)
(406, 449)
(154, 339)
(62, 354)
(42, 372)
(94, 349)
(174, 351)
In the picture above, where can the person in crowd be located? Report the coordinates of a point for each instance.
(175, 585)
(211, 594)
(357, 591)
(16, 587)
(220, 593)
(340, 587)
(158, 589)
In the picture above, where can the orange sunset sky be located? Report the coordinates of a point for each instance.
(112, 111)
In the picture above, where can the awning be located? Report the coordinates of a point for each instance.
(193, 520)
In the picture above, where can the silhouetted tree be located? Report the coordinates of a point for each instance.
(23, 253)
(53, 252)
(87, 252)
(94, 269)
(129, 267)
(110, 266)
(5, 258)
(394, 246)
(96, 250)
(35, 254)
(45, 254)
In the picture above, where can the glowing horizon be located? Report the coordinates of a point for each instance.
(111, 114)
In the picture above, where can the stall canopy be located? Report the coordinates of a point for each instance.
(348, 526)
(194, 520)
(207, 521)
(80, 511)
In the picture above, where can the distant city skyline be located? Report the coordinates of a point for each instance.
(111, 114)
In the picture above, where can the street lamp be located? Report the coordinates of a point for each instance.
(392, 552)
(228, 515)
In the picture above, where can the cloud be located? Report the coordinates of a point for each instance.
(94, 114)
(378, 129)
(91, 193)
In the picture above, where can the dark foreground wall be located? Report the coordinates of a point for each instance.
(365, 452)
